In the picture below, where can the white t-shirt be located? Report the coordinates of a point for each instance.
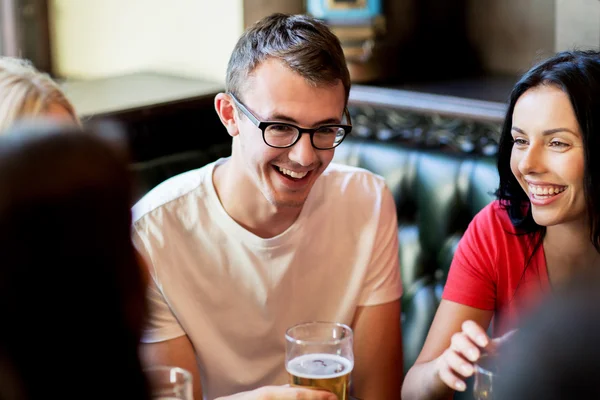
(234, 294)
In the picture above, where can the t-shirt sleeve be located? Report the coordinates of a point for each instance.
(472, 276)
(382, 282)
(161, 324)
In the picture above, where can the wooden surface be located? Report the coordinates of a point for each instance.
(257, 9)
(428, 103)
(150, 91)
(126, 93)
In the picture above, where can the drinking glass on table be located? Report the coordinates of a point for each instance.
(169, 383)
(319, 355)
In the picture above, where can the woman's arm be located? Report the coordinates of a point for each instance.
(449, 352)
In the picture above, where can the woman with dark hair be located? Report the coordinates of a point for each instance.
(71, 290)
(543, 229)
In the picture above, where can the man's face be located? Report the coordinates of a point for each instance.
(276, 93)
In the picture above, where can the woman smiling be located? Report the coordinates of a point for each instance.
(542, 231)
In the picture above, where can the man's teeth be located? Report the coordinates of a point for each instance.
(546, 190)
(297, 175)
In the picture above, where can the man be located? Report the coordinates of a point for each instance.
(248, 246)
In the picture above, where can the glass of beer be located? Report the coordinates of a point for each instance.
(169, 383)
(319, 356)
(485, 374)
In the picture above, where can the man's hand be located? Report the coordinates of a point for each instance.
(285, 392)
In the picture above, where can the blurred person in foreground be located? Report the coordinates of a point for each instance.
(274, 235)
(554, 355)
(26, 93)
(71, 289)
(543, 229)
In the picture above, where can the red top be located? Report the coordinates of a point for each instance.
(488, 270)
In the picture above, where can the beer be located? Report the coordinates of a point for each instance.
(321, 371)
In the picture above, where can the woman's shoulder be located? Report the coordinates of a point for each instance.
(494, 217)
(492, 227)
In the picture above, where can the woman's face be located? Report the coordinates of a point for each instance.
(547, 155)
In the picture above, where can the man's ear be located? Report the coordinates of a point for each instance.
(226, 112)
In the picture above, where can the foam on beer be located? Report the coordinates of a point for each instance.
(319, 366)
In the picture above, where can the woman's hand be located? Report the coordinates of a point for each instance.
(458, 361)
(285, 392)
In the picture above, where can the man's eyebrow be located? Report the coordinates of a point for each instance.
(285, 118)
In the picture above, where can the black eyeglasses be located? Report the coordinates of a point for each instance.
(281, 134)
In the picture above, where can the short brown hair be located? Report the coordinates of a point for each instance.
(306, 45)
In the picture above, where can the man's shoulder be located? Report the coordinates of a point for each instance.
(343, 189)
(345, 177)
(170, 191)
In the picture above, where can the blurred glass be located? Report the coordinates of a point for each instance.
(485, 374)
(319, 355)
(169, 383)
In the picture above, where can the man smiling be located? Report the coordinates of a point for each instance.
(274, 235)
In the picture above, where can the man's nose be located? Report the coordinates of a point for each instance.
(303, 153)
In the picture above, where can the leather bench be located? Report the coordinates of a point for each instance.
(437, 194)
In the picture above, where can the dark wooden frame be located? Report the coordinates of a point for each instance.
(25, 31)
(8, 28)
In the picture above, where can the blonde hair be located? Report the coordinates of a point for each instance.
(27, 92)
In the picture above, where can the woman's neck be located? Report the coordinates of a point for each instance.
(569, 250)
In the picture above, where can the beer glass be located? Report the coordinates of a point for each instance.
(169, 383)
(485, 374)
(319, 356)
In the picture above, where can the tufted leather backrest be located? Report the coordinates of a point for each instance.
(148, 174)
(437, 194)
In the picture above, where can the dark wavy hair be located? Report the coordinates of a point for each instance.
(71, 290)
(577, 73)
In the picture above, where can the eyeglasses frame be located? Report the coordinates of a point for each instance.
(263, 125)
